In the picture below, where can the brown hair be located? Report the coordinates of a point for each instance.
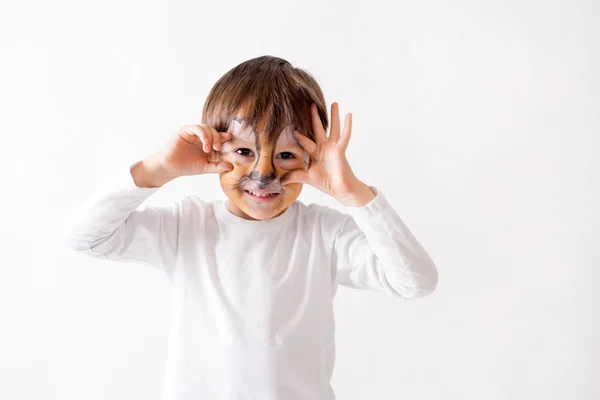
(267, 89)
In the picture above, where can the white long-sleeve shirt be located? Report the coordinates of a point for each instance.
(252, 301)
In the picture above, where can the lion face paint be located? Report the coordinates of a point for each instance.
(254, 185)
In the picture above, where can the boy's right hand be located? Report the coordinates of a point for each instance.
(188, 152)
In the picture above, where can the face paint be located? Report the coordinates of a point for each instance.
(287, 143)
(246, 136)
(254, 186)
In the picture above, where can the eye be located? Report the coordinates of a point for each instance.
(245, 152)
(286, 155)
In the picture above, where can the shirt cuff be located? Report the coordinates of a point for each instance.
(126, 185)
(375, 206)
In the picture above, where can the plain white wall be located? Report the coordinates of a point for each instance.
(480, 120)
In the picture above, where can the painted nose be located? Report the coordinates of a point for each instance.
(264, 172)
(263, 178)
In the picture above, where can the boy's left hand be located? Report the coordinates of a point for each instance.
(329, 170)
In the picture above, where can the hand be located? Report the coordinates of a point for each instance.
(329, 170)
(188, 152)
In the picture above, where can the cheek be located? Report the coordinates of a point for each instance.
(292, 164)
(230, 180)
(292, 192)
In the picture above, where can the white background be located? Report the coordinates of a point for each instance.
(480, 121)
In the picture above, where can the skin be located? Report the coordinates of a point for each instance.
(285, 164)
(260, 165)
(329, 170)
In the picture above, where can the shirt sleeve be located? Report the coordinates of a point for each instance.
(374, 250)
(111, 226)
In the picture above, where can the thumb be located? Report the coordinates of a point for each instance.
(218, 167)
(297, 176)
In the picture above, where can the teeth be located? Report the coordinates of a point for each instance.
(262, 195)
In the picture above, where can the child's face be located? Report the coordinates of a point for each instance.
(253, 186)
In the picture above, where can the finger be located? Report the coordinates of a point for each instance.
(306, 143)
(189, 135)
(224, 137)
(317, 125)
(197, 134)
(216, 139)
(334, 132)
(296, 176)
(218, 167)
(192, 131)
(206, 137)
(345, 139)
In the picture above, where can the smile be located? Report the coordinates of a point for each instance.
(261, 196)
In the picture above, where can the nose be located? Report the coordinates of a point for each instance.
(264, 172)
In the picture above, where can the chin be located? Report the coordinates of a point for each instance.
(262, 209)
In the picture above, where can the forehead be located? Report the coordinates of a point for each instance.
(245, 133)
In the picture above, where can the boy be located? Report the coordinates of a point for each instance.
(253, 278)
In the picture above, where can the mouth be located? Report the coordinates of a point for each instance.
(261, 195)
